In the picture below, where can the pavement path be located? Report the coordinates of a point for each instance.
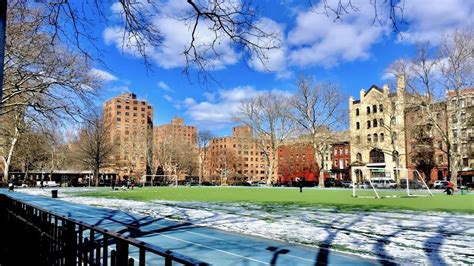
(206, 244)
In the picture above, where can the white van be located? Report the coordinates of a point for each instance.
(47, 184)
(383, 182)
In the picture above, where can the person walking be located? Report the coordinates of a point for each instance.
(301, 184)
(450, 188)
(113, 183)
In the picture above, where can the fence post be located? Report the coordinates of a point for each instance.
(71, 243)
(122, 253)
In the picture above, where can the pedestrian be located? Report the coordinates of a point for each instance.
(133, 183)
(450, 188)
(301, 183)
(11, 185)
(113, 183)
(41, 184)
(128, 183)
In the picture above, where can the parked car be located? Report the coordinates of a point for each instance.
(47, 184)
(346, 184)
(383, 182)
(440, 184)
(364, 184)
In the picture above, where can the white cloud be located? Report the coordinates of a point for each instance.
(176, 36)
(168, 98)
(218, 110)
(429, 22)
(162, 85)
(273, 60)
(103, 75)
(319, 40)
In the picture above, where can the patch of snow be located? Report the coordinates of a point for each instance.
(407, 237)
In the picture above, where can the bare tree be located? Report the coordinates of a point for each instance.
(44, 80)
(268, 114)
(203, 139)
(95, 145)
(433, 73)
(318, 112)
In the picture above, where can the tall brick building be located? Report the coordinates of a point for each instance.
(176, 130)
(131, 121)
(237, 154)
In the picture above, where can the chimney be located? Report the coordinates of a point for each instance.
(362, 93)
(400, 83)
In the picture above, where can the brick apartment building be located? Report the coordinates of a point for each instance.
(236, 154)
(176, 130)
(461, 132)
(131, 121)
(341, 161)
(296, 160)
(425, 147)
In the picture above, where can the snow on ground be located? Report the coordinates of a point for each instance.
(406, 237)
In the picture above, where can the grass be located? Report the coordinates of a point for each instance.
(340, 199)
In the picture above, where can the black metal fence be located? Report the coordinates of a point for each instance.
(34, 236)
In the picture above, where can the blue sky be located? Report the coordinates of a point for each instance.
(352, 52)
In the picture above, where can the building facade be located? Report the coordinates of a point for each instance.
(237, 154)
(426, 147)
(131, 122)
(377, 131)
(296, 160)
(176, 130)
(460, 109)
(341, 161)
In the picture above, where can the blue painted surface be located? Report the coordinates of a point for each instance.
(206, 244)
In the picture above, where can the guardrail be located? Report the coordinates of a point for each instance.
(31, 235)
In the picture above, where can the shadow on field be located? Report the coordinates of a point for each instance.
(324, 250)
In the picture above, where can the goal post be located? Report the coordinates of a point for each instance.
(416, 178)
(373, 178)
(159, 180)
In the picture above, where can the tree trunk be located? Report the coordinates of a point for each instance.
(96, 176)
(8, 159)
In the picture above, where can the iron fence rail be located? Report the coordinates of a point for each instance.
(35, 236)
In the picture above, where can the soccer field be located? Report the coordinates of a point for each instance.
(341, 199)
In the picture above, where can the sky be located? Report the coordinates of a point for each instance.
(352, 51)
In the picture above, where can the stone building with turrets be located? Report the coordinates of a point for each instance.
(377, 131)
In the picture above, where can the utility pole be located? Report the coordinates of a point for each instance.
(3, 28)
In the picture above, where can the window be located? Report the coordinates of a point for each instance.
(394, 136)
(368, 109)
(375, 122)
(127, 107)
(440, 145)
(455, 147)
(455, 133)
(376, 138)
(393, 121)
(440, 159)
(359, 157)
(374, 108)
(357, 111)
(381, 123)
(369, 138)
(119, 106)
(118, 119)
(376, 156)
(357, 125)
(135, 108)
(368, 124)
(381, 108)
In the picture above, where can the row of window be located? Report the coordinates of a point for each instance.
(346, 151)
(374, 109)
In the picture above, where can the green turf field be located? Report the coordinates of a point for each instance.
(291, 196)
